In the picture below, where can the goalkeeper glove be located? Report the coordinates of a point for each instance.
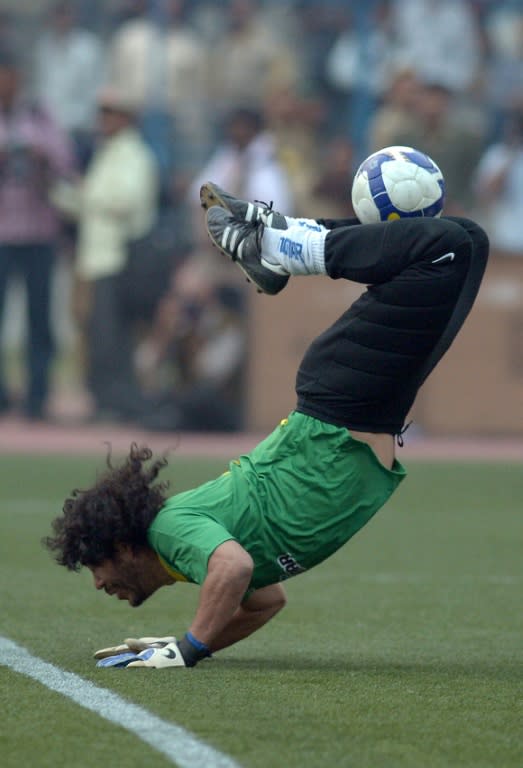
(157, 654)
(134, 645)
(167, 656)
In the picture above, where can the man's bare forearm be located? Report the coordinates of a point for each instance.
(228, 576)
(223, 616)
(251, 616)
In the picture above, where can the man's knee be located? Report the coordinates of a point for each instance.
(470, 226)
(446, 242)
(448, 233)
(413, 240)
(478, 236)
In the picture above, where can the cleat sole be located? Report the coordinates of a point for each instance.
(209, 199)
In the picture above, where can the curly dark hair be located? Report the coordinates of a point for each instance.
(117, 510)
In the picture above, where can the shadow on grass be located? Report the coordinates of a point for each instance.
(502, 670)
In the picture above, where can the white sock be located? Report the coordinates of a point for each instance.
(298, 250)
(307, 223)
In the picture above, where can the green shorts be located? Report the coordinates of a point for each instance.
(292, 502)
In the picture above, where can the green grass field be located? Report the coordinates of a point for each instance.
(402, 651)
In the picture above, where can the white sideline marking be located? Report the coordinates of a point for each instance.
(173, 741)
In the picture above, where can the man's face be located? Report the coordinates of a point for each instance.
(111, 120)
(128, 576)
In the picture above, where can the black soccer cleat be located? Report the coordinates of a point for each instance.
(241, 242)
(212, 195)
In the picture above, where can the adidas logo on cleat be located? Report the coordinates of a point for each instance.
(241, 242)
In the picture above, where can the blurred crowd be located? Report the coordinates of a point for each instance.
(113, 113)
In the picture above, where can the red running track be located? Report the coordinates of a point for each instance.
(21, 437)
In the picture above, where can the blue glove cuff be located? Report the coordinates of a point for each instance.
(197, 643)
(192, 649)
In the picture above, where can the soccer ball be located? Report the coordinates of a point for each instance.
(397, 182)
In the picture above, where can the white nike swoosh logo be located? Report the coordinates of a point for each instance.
(445, 257)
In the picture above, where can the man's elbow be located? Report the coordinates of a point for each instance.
(279, 600)
(244, 567)
(233, 562)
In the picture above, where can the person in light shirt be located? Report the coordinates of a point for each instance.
(499, 186)
(114, 203)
